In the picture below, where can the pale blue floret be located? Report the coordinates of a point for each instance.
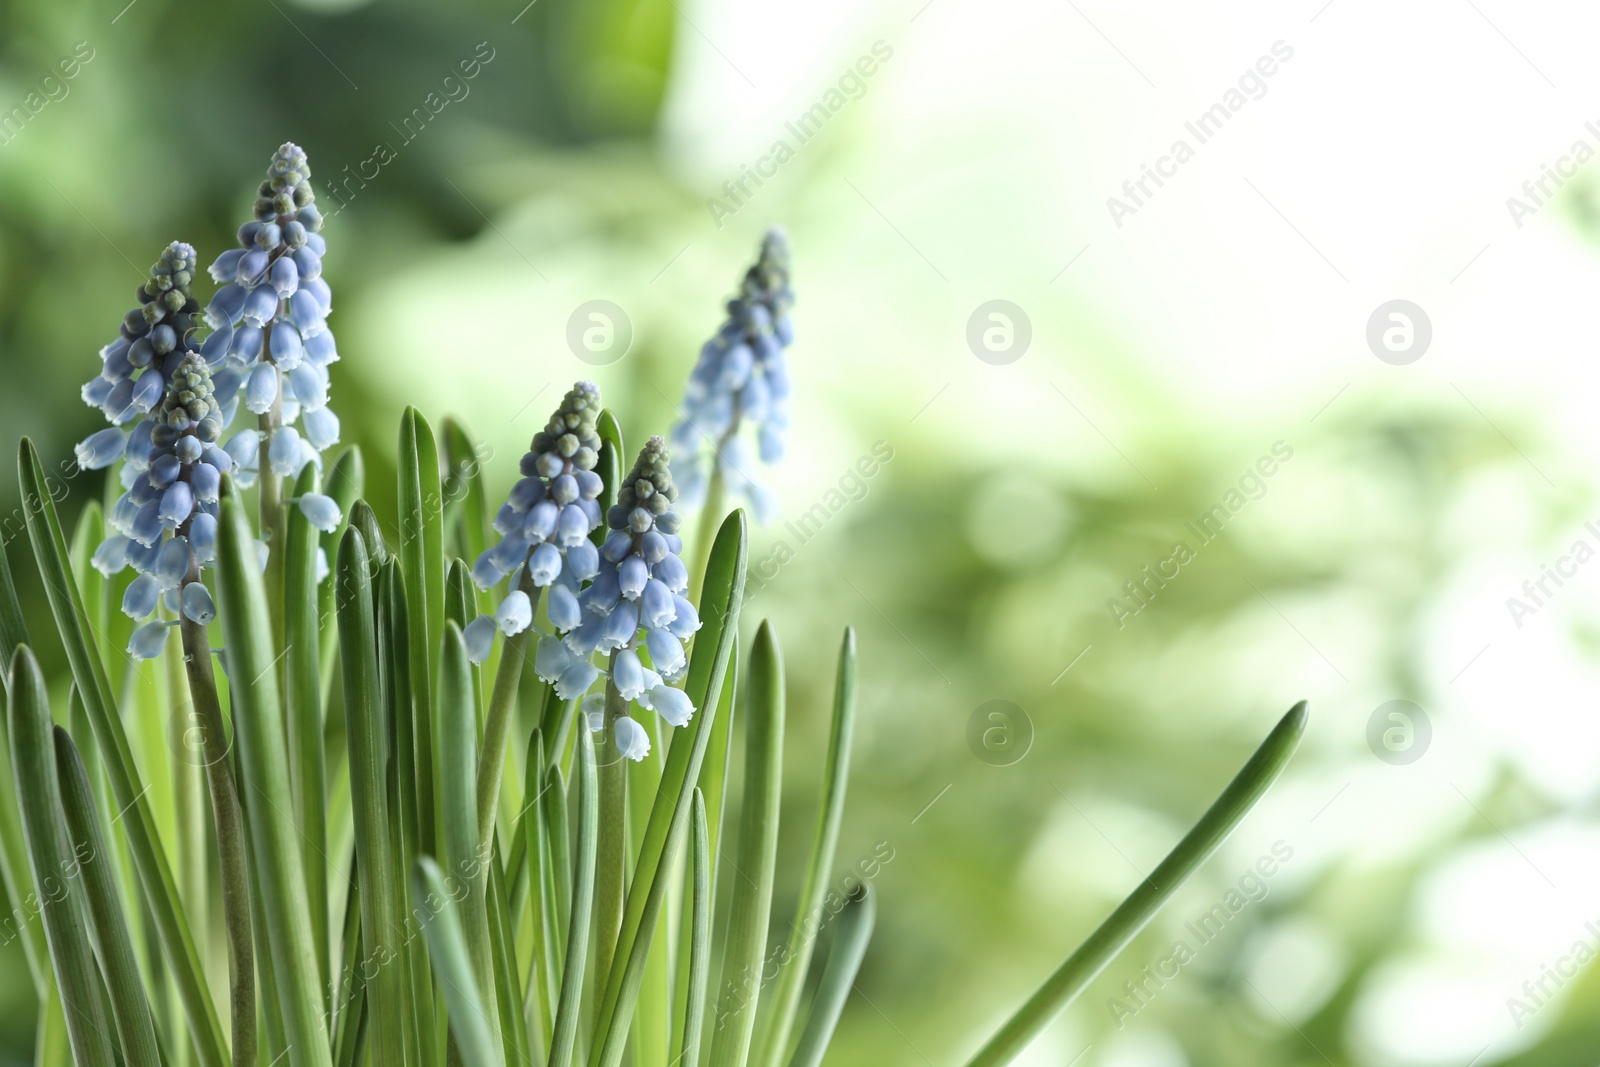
(101, 449)
(197, 604)
(321, 511)
(515, 613)
(479, 638)
(149, 639)
(633, 741)
(740, 379)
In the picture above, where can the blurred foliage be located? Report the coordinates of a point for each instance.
(975, 570)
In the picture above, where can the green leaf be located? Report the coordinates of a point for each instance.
(264, 781)
(507, 983)
(139, 827)
(346, 480)
(303, 707)
(350, 994)
(395, 637)
(368, 746)
(851, 934)
(13, 630)
(751, 907)
(830, 814)
(15, 869)
(466, 500)
(92, 585)
(721, 597)
(108, 927)
(421, 552)
(568, 1006)
(465, 857)
(55, 866)
(1113, 935)
(447, 946)
(699, 954)
(540, 995)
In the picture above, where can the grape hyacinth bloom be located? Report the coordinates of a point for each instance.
(544, 528)
(271, 346)
(639, 589)
(167, 520)
(134, 369)
(739, 379)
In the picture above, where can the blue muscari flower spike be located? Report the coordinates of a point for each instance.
(153, 340)
(638, 590)
(168, 516)
(271, 344)
(739, 379)
(545, 525)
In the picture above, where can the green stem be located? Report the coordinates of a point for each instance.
(303, 712)
(838, 977)
(567, 1008)
(706, 531)
(230, 832)
(1113, 935)
(611, 859)
(699, 954)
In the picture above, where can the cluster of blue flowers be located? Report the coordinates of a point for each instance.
(738, 379)
(640, 587)
(169, 513)
(270, 335)
(599, 599)
(269, 338)
(545, 524)
(153, 340)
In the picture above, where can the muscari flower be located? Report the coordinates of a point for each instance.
(168, 516)
(545, 526)
(638, 589)
(154, 338)
(271, 340)
(740, 379)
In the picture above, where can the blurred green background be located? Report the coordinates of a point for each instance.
(978, 562)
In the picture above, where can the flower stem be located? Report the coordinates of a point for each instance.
(230, 833)
(611, 854)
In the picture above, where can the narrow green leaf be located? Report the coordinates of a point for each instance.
(557, 830)
(465, 858)
(395, 649)
(349, 1000)
(568, 1007)
(830, 814)
(108, 928)
(13, 630)
(347, 477)
(466, 500)
(139, 826)
(539, 996)
(751, 908)
(369, 751)
(651, 1035)
(92, 585)
(363, 518)
(699, 943)
(851, 934)
(14, 865)
(259, 734)
(721, 597)
(1113, 935)
(55, 866)
(303, 706)
(507, 983)
(421, 552)
(447, 946)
